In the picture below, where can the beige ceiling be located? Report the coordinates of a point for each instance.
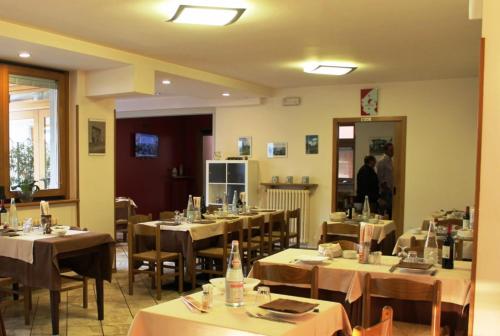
(391, 40)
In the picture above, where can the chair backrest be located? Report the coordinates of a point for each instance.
(417, 245)
(347, 245)
(135, 230)
(403, 289)
(212, 208)
(165, 215)
(383, 328)
(255, 228)
(135, 219)
(230, 230)
(293, 216)
(288, 275)
(334, 231)
(455, 222)
(122, 209)
(2, 327)
(277, 223)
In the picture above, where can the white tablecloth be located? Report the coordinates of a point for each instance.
(346, 275)
(173, 319)
(21, 247)
(381, 230)
(404, 240)
(203, 231)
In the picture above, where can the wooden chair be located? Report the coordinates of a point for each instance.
(155, 258)
(122, 215)
(9, 286)
(419, 245)
(288, 275)
(332, 232)
(2, 326)
(275, 232)
(347, 245)
(136, 219)
(212, 208)
(383, 328)
(219, 254)
(402, 289)
(166, 215)
(293, 227)
(253, 243)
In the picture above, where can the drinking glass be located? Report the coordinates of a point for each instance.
(263, 295)
(412, 257)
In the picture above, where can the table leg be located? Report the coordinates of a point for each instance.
(100, 297)
(55, 298)
(192, 270)
(27, 304)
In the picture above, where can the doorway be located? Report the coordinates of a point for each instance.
(356, 138)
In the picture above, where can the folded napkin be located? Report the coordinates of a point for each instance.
(289, 306)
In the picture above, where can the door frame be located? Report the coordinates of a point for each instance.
(399, 154)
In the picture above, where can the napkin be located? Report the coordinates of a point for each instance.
(289, 306)
(366, 232)
(44, 208)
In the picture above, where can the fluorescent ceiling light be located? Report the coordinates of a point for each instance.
(24, 54)
(204, 15)
(226, 94)
(166, 82)
(329, 69)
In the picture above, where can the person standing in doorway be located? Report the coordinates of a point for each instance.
(386, 179)
(367, 183)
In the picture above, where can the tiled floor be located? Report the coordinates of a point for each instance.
(119, 307)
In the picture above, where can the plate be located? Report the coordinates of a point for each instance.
(249, 283)
(315, 260)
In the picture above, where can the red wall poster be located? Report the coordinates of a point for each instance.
(369, 102)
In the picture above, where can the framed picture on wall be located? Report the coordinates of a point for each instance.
(377, 145)
(245, 146)
(277, 150)
(97, 137)
(312, 144)
(369, 102)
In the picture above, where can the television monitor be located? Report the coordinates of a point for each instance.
(146, 145)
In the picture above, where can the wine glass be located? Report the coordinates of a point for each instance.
(263, 295)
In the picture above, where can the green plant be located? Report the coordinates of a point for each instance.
(22, 168)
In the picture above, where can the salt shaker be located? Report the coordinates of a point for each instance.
(207, 296)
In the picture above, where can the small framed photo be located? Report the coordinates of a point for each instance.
(97, 137)
(277, 150)
(312, 144)
(245, 146)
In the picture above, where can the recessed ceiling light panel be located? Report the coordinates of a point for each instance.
(24, 54)
(166, 82)
(329, 69)
(205, 15)
(226, 94)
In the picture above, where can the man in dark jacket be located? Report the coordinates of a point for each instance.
(367, 183)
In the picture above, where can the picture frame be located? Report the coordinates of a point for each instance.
(97, 136)
(377, 145)
(312, 144)
(277, 150)
(245, 146)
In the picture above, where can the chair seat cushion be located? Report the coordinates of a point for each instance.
(151, 255)
(212, 252)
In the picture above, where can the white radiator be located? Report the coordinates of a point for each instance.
(287, 199)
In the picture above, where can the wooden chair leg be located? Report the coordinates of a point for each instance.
(180, 276)
(85, 292)
(131, 280)
(27, 304)
(158, 271)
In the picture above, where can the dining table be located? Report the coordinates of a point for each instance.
(35, 260)
(175, 318)
(187, 237)
(421, 235)
(384, 234)
(346, 277)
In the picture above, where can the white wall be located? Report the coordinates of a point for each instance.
(487, 286)
(441, 135)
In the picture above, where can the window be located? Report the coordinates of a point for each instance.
(34, 117)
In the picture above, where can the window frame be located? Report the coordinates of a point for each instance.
(62, 79)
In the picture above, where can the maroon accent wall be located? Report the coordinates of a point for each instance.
(148, 181)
